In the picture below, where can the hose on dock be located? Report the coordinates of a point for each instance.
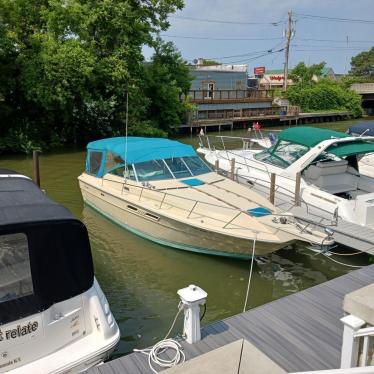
(162, 346)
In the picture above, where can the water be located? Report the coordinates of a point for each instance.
(141, 278)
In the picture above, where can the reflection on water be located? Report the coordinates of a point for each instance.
(141, 278)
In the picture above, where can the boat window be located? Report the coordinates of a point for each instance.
(95, 162)
(112, 161)
(123, 171)
(152, 171)
(196, 165)
(15, 272)
(178, 167)
(282, 154)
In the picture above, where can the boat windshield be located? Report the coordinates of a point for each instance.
(170, 168)
(154, 170)
(282, 154)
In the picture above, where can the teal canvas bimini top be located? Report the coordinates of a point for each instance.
(141, 149)
(101, 153)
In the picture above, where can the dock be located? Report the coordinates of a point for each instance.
(228, 122)
(346, 233)
(299, 332)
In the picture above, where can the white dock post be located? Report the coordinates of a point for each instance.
(349, 355)
(192, 297)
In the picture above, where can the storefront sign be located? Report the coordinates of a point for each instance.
(276, 78)
(259, 70)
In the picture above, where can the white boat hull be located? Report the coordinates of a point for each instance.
(171, 232)
(75, 340)
(359, 210)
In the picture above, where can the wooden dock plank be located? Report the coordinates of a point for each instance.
(299, 332)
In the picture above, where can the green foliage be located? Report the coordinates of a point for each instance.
(348, 80)
(324, 95)
(66, 66)
(207, 62)
(363, 64)
(303, 73)
(167, 80)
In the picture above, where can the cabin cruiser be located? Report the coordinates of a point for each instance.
(54, 317)
(161, 190)
(328, 162)
(366, 163)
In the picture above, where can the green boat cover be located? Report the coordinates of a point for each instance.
(351, 148)
(311, 136)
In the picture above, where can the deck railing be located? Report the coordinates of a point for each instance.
(246, 113)
(356, 345)
(209, 96)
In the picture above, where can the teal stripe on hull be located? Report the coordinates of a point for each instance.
(166, 243)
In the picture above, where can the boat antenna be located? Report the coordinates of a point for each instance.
(126, 125)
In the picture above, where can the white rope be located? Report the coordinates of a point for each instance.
(162, 346)
(250, 273)
(342, 263)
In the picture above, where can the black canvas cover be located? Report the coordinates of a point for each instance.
(59, 249)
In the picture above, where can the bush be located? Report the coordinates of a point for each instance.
(324, 95)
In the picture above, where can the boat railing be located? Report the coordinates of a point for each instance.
(230, 154)
(190, 206)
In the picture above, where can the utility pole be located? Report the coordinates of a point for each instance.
(287, 50)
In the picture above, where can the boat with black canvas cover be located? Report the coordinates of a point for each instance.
(54, 317)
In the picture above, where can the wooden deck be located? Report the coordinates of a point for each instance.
(299, 332)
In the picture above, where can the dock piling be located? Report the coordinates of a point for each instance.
(272, 188)
(36, 169)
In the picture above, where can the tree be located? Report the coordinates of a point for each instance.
(65, 66)
(303, 73)
(363, 64)
(167, 82)
(207, 62)
(322, 94)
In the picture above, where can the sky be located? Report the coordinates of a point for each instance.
(241, 23)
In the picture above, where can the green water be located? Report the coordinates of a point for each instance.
(140, 278)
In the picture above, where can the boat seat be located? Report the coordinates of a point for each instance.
(332, 176)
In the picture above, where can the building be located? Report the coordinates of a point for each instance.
(274, 78)
(221, 96)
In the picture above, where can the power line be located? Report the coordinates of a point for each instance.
(335, 40)
(325, 18)
(266, 51)
(256, 57)
(329, 47)
(260, 39)
(210, 38)
(277, 23)
(328, 50)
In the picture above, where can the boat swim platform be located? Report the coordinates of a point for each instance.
(298, 332)
(349, 234)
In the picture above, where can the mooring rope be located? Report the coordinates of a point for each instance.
(250, 273)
